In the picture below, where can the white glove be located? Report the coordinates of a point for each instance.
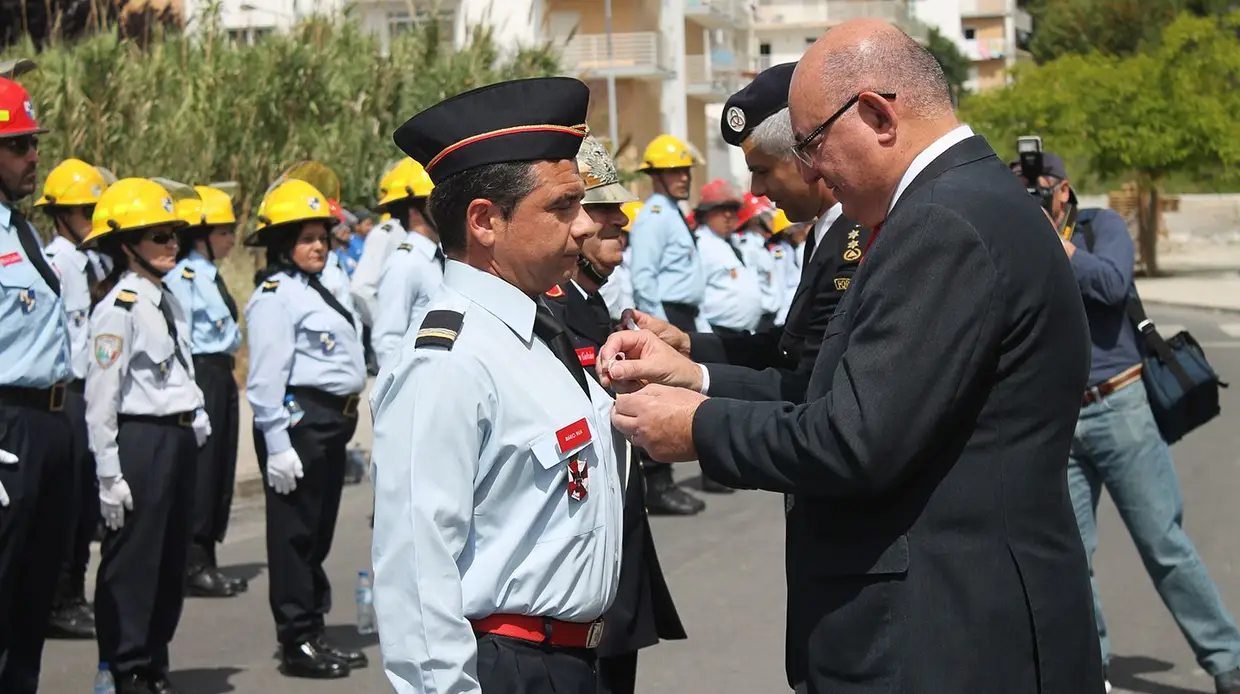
(202, 427)
(283, 471)
(114, 499)
(6, 458)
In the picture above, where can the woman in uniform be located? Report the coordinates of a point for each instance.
(145, 421)
(305, 373)
(198, 285)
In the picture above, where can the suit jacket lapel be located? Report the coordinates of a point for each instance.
(964, 152)
(812, 273)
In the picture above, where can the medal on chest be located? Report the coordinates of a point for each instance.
(328, 342)
(26, 297)
(576, 436)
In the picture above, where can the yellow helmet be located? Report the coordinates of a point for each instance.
(779, 222)
(668, 152)
(131, 204)
(293, 201)
(217, 206)
(73, 183)
(407, 179)
(630, 210)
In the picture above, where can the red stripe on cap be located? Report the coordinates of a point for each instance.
(579, 131)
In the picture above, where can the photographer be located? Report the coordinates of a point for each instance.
(1117, 443)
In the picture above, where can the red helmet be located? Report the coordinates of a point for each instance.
(753, 207)
(16, 111)
(718, 193)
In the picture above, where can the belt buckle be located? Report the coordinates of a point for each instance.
(350, 405)
(56, 398)
(185, 419)
(595, 634)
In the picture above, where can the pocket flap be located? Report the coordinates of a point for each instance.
(555, 447)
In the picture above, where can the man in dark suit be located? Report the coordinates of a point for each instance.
(940, 552)
(643, 612)
(756, 120)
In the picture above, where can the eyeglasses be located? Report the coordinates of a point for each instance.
(21, 146)
(162, 238)
(801, 149)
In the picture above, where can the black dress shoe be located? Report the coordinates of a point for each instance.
(712, 487)
(71, 621)
(308, 661)
(133, 683)
(354, 659)
(160, 685)
(208, 582)
(668, 499)
(238, 583)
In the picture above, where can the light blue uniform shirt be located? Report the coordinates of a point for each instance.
(381, 243)
(472, 513)
(134, 369)
(34, 328)
(760, 261)
(302, 342)
(71, 264)
(733, 299)
(787, 262)
(212, 327)
(411, 277)
(617, 291)
(666, 263)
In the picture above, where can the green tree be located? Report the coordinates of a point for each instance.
(1114, 27)
(954, 63)
(1173, 109)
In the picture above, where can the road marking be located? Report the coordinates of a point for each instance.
(1217, 344)
(1232, 329)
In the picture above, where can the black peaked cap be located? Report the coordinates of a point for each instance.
(765, 96)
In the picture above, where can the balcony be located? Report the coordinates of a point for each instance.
(787, 14)
(710, 78)
(641, 54)
(985, 8)
(720, 14)
(985, 49)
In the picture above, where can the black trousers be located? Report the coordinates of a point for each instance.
(720, 330)
(683, 316)
(141, 584)
(301, 524)
(217, 460)
(617, 674)
(83, 511)
(33, 536)
(515, 666)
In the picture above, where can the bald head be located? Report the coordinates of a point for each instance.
(872, 55)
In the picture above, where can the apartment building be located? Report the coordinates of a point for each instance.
(996, 36)
(783, 29)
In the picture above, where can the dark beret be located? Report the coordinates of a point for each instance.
(766, 95)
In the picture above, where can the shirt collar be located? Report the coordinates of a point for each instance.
(201, 263)
(958, 134)
(825, 221)
(143, 287)
(61, 245)
(6, 216)
(502, 300)
(584, 293)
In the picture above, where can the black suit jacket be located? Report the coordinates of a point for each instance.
(643, 612)
(936, 547)
(789, 352)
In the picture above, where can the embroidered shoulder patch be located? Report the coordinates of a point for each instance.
(107, 349)
(841, 283)
(405, 247)
(271, 285)
(188, 273)
(656, 208)
(439, 329)
(125, 298)
(555, 292)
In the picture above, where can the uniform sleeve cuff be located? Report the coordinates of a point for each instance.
(277, 441)
(705, 380)
(107, 466)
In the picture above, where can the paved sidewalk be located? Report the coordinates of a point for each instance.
(1200, 275)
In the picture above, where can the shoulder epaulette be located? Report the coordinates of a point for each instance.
(187, 273)
(125, 299)
(555, 292)
(405, 247)
(656, 208)
(271, 285)
(439, 329)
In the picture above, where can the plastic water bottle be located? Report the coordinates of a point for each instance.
(295, 413)
(365, 604)
(103, 680)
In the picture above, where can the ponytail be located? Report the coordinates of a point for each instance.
(111, 247)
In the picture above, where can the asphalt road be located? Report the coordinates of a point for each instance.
(725, 567)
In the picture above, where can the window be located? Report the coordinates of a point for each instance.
(970, 33)
(764, 49)
(810, 40)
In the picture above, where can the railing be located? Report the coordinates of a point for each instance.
(704, 77)
(635, 54)
(736, 12)
(898, 12)
(985, 49)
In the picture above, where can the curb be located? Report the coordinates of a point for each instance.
(1231, 310)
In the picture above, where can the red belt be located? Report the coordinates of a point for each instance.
(541, 630)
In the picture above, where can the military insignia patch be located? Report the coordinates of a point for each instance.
(841, 283)
(107, 349)
(852, 254)
(732, 273)
(271, 285)
(79, 318)
(439, 329)
(555, 292)
(167, 203)
(736, 119)
(165, 367)
(328, 342)
(188, 274)
(655, 208)
(405, 247)
(125, 299)
(26, 297)
(779, 254)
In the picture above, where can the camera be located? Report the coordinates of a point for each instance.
(1029, 152)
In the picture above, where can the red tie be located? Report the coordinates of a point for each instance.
(873, 236)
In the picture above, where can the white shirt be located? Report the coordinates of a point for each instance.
(381, 243)
(411, 277)
(472, 513)
(70, 263)
(733, 297)
(958, 134)
(824, 222)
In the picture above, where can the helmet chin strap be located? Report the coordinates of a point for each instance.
(588, 269)
(142, 262)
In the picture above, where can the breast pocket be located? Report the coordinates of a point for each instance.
(22, 288)
(155, 353)
(565, 459)
(321, 336)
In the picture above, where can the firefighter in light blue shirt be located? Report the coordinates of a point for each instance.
(733, 302)
(752, 231)
(36, 475)
(787, 261)
(306, 369)
(667, 270)
(200, 288)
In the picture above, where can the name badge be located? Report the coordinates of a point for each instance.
(574, 435)
(585, 355)
(10, 259)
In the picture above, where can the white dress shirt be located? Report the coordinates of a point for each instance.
(957, 135)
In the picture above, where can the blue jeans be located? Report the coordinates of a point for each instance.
(1117, 444)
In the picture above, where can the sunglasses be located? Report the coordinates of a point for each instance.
(21, 146)
(161, 238)
(801, 149)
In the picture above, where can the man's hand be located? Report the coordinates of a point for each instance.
(634, 358)
(659, 420)
(6, 458)
(676, 338)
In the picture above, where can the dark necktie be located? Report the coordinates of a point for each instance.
(439, 258)
(810, 239)
(737, 252)
(549, 330)
(226, 295)
(332, 301)
(30, 244)
(165, 308)
(92, 273)
(602, 315)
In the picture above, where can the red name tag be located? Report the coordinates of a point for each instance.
(586, 356)
(10, 258)
(573, 435)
